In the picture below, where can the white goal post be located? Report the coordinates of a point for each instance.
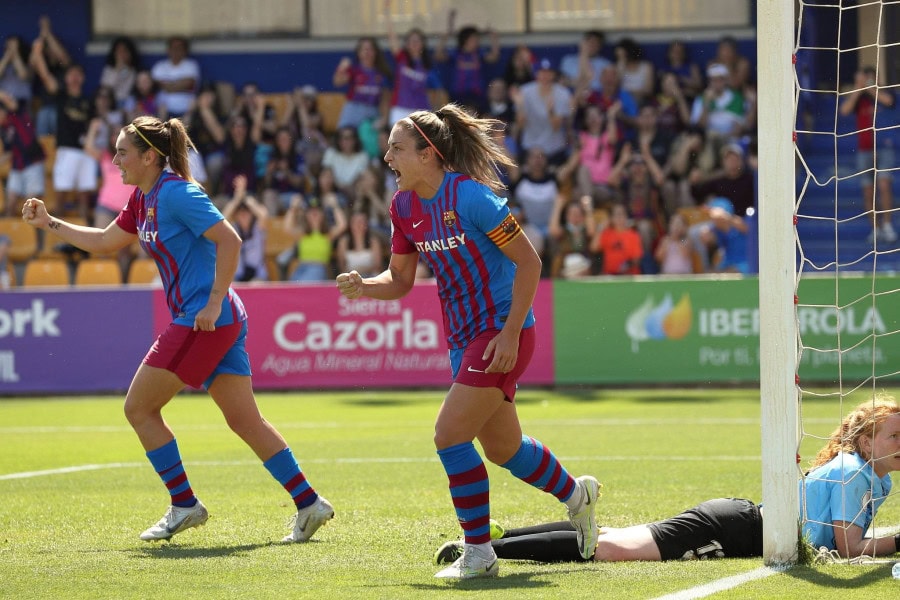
(777, 280)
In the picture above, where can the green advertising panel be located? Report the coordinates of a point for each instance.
(707, 330)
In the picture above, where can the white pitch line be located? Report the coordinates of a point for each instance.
(361, 460)
(727, 583)
(63, 470)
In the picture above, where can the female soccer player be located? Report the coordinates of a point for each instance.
(487, 273)
(849, 480)
(196, 251)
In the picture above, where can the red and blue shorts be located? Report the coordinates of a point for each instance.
(197, 357)
(468, 366)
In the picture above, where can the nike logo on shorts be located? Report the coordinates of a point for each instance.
(471, 370)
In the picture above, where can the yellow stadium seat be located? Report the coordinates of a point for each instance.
(329, 105)
(277, 239)
(98, 271)
(23, 238)
(278, 102)
(46, 272)
(48, 143)
(143, 271)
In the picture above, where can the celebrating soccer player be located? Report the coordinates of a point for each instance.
(487, 271)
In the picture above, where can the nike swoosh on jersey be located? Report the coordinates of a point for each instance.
(417, 223)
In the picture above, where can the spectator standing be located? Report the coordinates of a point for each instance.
(368, 85)
(596, 152)
(637, 73)
(15, 75)
(74, 171)
(50, 52)
(720, 112)
(413, 72)
(582, 69)
(520, 67)
(22, 149)
(468, 63)
(544, 114)
(178, 77)
(687, 72)
(740, 72)
(873, 150)
(123, 63)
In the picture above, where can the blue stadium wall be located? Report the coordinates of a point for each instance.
(275, 71)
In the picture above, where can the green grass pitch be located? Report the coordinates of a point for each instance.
(73, 533)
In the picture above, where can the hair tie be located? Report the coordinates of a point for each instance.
(138, 131)
(430, 143)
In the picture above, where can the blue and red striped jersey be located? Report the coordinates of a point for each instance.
(170, 222)
(459, 232)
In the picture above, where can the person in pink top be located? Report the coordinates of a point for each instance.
(596, 153)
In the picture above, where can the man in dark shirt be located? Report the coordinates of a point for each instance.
(74, 170)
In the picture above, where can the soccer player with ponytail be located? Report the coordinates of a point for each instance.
(446, 211)
(196, 251)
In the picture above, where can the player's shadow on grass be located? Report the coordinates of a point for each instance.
(517, 580)
(857, 580)
(178, 551)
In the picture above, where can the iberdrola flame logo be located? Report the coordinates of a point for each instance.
(651, 321)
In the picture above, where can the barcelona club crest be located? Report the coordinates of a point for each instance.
(509, 225)
(450, 218)
(151, 213)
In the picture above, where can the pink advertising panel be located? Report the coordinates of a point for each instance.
(309, 336)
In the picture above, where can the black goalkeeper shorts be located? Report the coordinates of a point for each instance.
(724, 527)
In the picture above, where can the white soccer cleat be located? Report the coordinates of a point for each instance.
(176, 520)
(473, 563)
(582, 517)
(308, 520)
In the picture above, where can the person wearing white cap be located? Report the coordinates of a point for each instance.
(720, 111)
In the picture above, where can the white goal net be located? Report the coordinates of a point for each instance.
(847, 296)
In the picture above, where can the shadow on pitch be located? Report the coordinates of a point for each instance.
(864, 576)
(520, 580)
(173, 550)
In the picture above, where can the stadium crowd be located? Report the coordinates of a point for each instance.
(624, 166)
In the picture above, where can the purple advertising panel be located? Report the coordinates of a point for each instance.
(310, 336)
(72, 341)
